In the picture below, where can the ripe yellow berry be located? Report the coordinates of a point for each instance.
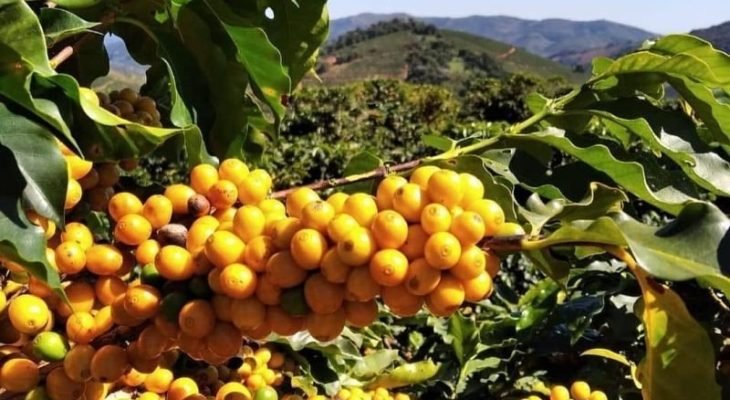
(158, 210)
(388, 267)
(598, 395)
(468, 227)
(298, 199)
(223, 194)
(361, 286)
(132, 229)
(79, 233)
(435, 217)
(390, 229)
(175, 263)
(109, 363)
(181, 388)
(247, 314)
(70, 258)
(317, 215)
(444, 187)
(509, 229)
(362, 207)
(472, 262)
(421, 278)
(142, 301)
(257, 253)
(332, 268)
(491, 213)
(442, 250)
(159, 380)
(357, 247)
(361, 314)
(322, 296)
(421, 175)
(254, 187)
(28, 313)
(448, 295)
(197, 318)
(124, 203)
(147, 251)
(179, 194)
(284, 230)
(80, 327)
(108, 288)
(249, 222)
(559, 392)
(473, 189)
(400, 301)
(340, 226)
(386, 191)
(73, 194)
(283, 271)
(77, 363)
(337, 201)
(415, 242)
(19, 375)
(223, 248)
(477, 288)
(580, 390)
(77, 166)
(233, 170)
(409, 200)
(202, 177)
(307, 248)
(238, 281)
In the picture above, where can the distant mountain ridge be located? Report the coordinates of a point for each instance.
(719, 35)
(419, 52)
(548, 38)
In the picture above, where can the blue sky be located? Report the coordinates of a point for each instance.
(660, 16)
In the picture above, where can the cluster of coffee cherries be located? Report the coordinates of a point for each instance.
(579, 390)
(205, 266)
(128, 104)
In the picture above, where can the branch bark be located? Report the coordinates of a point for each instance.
(331, 183)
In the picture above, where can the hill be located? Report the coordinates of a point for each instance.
(546, 38)
(419, 52)
(719, 35)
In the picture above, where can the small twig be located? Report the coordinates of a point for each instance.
(68, 51)
(331, 183)
(720, 302)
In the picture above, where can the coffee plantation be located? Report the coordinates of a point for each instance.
(577, 250)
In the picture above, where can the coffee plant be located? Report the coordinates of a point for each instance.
(579, 253)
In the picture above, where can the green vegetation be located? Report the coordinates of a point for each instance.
(416, 52)
(583, 239)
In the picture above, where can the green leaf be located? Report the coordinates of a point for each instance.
(472, 367)
(599, 201)
(672, 45)
(680, 360)
(359, 164)
(600, 231)
(672, 135)
(20, 241)
(438, 142)
(632, 174)
(23, 52)
(21, 34)
(40, 162)
(686, 65)
(714, 114)
(463, 333)
(689, 247)
(59, 24)
(373, 364)
(406, 375)
(227, 82)
(257, 54)
(180, 117)
(297, 30)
